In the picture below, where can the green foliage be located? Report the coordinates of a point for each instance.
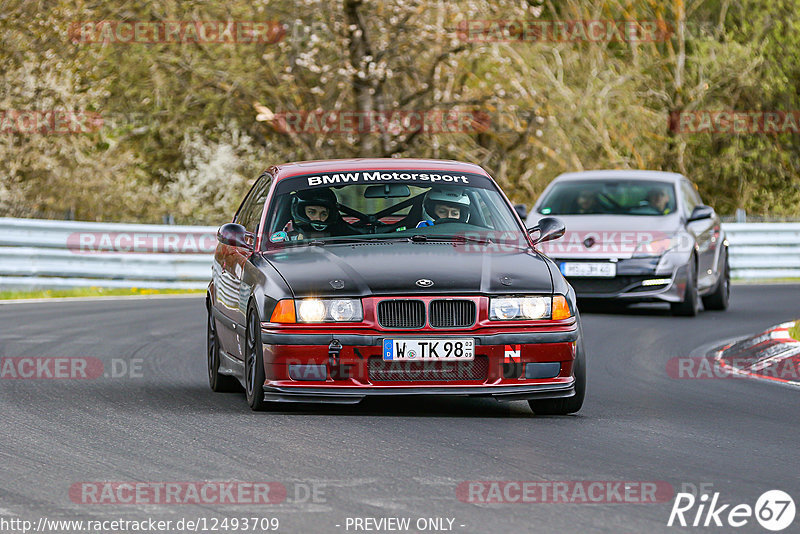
(795, 331)
(187, 126)
(92, 292)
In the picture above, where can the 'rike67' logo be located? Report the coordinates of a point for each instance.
(774, 510)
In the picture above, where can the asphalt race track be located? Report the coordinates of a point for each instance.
(387, 458)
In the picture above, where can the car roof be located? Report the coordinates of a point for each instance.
(286, 170)
(626, 174)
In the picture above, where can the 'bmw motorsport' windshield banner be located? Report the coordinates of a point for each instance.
(378, 176)
(416, 177)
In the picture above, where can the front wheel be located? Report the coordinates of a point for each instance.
(254, 363)
(570, 404)
(719, 299)
(689, 306)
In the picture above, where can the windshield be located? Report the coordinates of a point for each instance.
(380, 205)
(615, 197)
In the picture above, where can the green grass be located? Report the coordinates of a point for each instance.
(92, 292)
(765, 280)
(795, 331)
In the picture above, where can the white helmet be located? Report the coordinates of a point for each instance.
(452, 198)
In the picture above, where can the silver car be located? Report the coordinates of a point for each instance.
(637, 236)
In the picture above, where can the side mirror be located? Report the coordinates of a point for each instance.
(235, 235)
(522, 211)
(701, 212)
(549, 228)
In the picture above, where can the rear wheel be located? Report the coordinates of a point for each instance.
(569, 404)
(254, 363)
(719, 299)
(689, 306)
(219, 383)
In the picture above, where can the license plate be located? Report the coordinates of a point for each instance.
(588, 269)
(404, 350)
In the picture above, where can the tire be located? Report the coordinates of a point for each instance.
(720, 298)
(689, 306)
(219, 383)
(570, 404)
(254, 363)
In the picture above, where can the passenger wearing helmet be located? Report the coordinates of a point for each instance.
(443, 205)
(315, 213)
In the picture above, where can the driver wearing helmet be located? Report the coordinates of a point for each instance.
(315, 213)
(450, 205)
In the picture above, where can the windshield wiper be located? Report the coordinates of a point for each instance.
(319, 242)
(438, 238)
(360, 239)
(421, 238)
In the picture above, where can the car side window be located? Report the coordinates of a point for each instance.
(250, 214)
(244, 208)
(690, 197)
(696, 195)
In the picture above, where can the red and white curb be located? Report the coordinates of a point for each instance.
(772, 355)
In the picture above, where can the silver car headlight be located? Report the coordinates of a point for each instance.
(655, 248)
(659, 247)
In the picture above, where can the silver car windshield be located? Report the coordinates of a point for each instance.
(612, 197)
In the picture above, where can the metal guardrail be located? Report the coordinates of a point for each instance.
(764, 250)
(45, 254)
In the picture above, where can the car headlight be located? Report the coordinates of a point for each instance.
(656, 247)
(345, 310)
(311, 311)
(528, 308)
(328, 310)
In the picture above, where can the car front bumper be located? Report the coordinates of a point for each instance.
(302, 367)
(631, 282)
(353, 395)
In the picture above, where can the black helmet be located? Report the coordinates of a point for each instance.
(314, 197)
(450, 197)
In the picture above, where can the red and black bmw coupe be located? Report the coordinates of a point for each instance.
(343, 279)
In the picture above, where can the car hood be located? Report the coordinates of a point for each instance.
(391, 268)
(609, 236)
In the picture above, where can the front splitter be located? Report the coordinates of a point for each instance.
(347, 395)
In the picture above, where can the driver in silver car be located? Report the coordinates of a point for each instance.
(658, 199)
